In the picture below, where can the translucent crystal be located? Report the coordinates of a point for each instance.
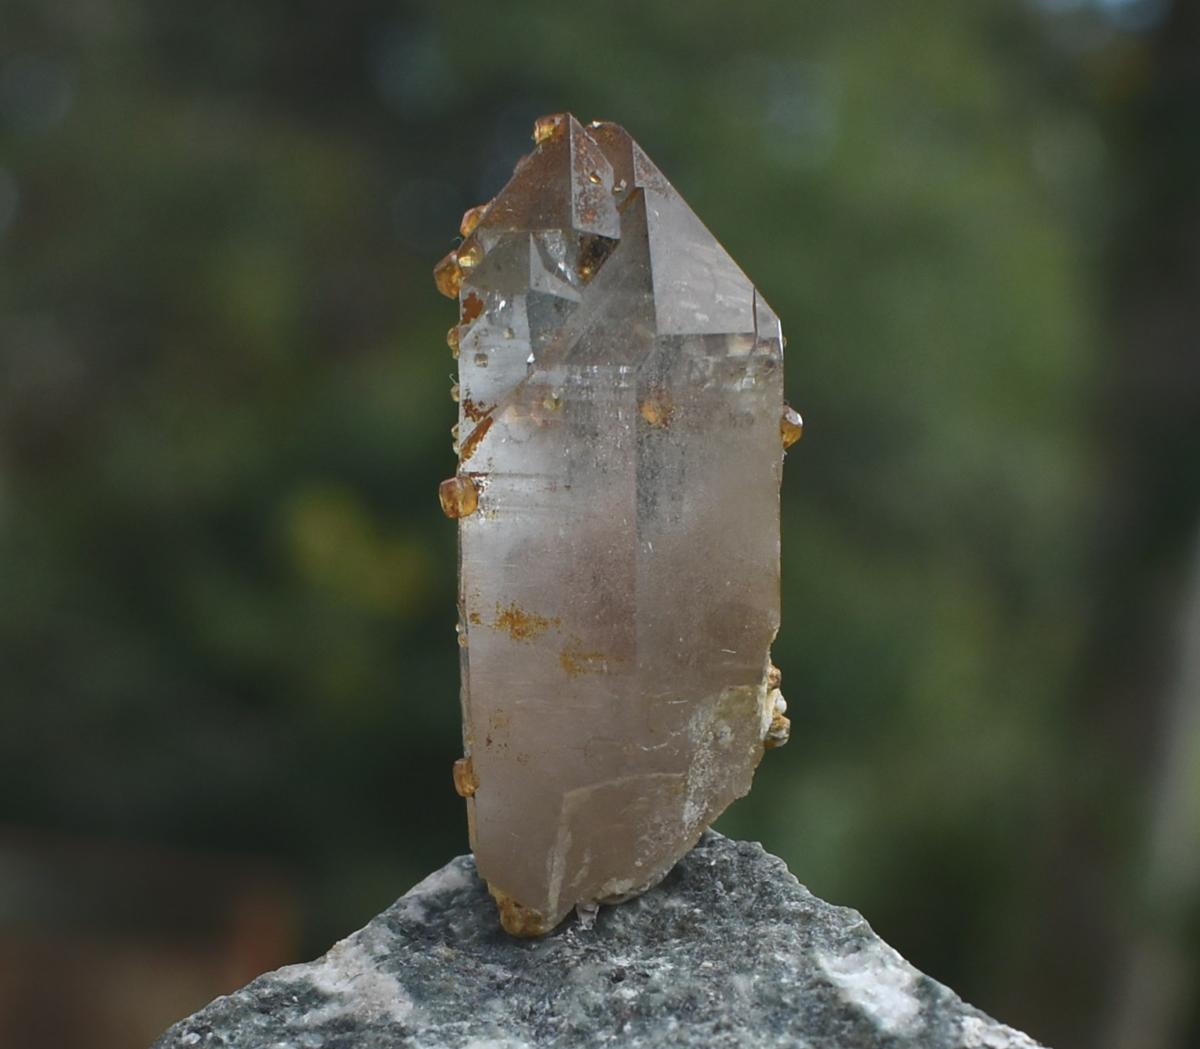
(458, 496)
(620, 442)
(471, 219)
(791, 426)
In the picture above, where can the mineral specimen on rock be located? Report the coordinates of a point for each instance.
(729, 952)
(620, 439)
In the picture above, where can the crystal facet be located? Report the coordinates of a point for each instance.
(620, 402)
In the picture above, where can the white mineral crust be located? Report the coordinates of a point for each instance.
(620, 394)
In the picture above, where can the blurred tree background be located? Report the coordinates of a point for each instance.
(228, 673)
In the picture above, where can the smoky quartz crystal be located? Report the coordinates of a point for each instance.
(620, 439)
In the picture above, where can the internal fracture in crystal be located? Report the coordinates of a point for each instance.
(620, 439)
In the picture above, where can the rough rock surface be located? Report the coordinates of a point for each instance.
(730, 950)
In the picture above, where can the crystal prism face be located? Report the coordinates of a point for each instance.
(620, 398)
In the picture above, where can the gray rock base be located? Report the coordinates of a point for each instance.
(730, 950)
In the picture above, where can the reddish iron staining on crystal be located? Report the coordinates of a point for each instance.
(657, 409)
(472, 307)
(620, 398)
(576, 662)
(471, 444)
(475, 412)
(521, 625)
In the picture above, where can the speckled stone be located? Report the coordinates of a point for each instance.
(729, 950)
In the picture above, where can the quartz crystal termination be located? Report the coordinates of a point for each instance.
(620, 438)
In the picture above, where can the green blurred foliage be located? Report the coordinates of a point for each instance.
(227, 615)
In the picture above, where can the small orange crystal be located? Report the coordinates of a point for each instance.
(545, 128)
(791, 426)
(471, 219)
(459, 496)
(465, 780)
(469, 256)
(447, 275)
